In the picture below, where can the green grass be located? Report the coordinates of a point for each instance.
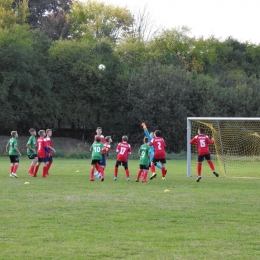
(68, 217)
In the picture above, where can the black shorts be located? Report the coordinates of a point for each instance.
(49, 158)
(42, 159)
(162, 160)
(125, 164)
(32, 156)
(93, 162)
(206, 156)
(144, 167)
(14, 158)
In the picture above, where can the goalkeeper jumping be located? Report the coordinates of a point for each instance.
(202, 141)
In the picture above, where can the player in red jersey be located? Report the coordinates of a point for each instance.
(159, 153)
(123, 150)
(42, 152)
(99, 133)
(202, 141)
(51, 149)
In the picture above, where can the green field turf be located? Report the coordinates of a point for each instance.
(65, 216)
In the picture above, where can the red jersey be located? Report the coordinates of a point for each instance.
(102, 138)
(159, 147)
(123, 150)
(40, 145)
(202, 142)
(49, 143)
(107, 147)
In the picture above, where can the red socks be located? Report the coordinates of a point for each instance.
(44, 171)
(36, 168)
(101, 170)
(152, 168)
(163, 171)
(31, 169)
(49, 166)
(92, 174)
(139, 175)
(15, 167)
(116, 171)
(211, 165)
(199, 168)
(145, 174)
(127, 173)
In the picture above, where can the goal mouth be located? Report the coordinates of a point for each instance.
(236, 148)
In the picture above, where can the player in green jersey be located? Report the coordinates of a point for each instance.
(12, 150)
(97, 148)
(144, 152)
(31, 150)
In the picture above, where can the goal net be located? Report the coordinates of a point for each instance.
(236, 151)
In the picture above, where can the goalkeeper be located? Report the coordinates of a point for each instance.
(150, 137)
(202, 141)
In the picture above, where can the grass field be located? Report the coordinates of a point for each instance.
(66, 216)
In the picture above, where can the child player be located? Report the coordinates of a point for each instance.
(12, 150)
(99, 133)
(42, 152)
(123, 150)
(107, 146)
(144, 153)
(96, 148)
(159, 153)
(150, 136)
(31, 150)
(202, 141)
(51, 149)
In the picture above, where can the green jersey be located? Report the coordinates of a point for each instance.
(144, 154)
(12, 144)
(32, 143)
(96, 149)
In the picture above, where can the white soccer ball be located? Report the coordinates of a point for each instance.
(101, 67)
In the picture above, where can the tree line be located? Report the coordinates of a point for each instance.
(49, 77)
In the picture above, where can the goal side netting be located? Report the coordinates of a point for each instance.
(236, 151)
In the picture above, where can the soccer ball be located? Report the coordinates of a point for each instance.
(101, 67)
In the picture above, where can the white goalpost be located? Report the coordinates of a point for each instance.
(236, 151)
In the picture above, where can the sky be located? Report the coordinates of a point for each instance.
(239, 19)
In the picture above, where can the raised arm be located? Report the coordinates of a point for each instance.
(146, 132)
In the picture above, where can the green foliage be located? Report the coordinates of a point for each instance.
(49, 72)
(13, 12)
(23, 80)
(99, 20)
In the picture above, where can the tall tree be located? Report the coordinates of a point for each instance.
(24, 83)
(99, 20)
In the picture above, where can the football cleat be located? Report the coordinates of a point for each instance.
(128, 179)
(115, 178)
(198, 179)
(11, 175)
(163, 178)
(215, 173)
(102, 179)
(14, 175)
(92, 179)
(153, 176)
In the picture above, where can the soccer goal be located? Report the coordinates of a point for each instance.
(236, 152)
